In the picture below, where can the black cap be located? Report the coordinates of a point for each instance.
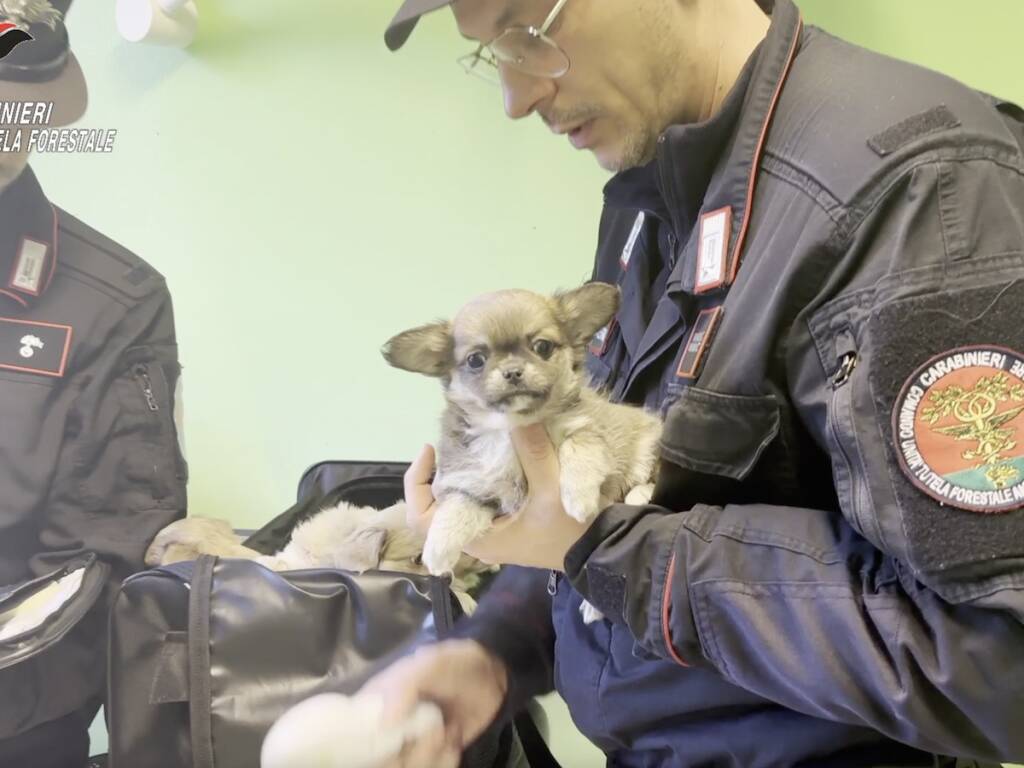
(401, 26)
(39, 65)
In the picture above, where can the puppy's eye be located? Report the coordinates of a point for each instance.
(417, 560)
(544, 348)
(476, 361)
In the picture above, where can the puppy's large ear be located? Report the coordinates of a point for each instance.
(585, 311)
(428, 349)
(365, 550)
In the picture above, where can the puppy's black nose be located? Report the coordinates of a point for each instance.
(513, 375)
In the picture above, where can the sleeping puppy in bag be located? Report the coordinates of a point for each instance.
(511, 359)
(344, 536)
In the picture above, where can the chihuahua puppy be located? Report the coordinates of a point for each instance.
(510, 359)
(344, 536)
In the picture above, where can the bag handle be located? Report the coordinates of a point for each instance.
(199, 705)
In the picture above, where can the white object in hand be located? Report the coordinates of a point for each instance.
(331, 730)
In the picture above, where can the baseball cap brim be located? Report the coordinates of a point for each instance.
(68, 93)
(401, 26)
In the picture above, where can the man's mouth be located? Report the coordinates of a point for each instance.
(579, 135)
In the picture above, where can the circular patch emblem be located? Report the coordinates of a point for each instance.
(958, 425)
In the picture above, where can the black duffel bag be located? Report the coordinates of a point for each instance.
(205, 656)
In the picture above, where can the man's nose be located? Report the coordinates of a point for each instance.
(523, 92)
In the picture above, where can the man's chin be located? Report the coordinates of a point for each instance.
(613, 160)
(624, 154)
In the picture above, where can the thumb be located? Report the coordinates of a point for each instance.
(537, 455)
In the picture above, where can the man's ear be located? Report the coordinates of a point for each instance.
(366, 549)
(585, 311)
(428, 349)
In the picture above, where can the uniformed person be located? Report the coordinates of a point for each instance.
(90, 467)
(821, 253)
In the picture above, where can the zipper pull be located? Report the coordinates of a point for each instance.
(142, 373)
(846, 366)
(553, 583)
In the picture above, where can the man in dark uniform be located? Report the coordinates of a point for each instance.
(90, 467)
(821, 254)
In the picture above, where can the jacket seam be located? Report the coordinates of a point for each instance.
(790, 173)
(953, 239)
(715, 649)
(878, 188)
(765, 539)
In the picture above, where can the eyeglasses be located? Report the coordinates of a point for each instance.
(527, 49)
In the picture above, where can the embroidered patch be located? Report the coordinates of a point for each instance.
(33, 347)
(715, 228)
(634, 235)
(958, 425)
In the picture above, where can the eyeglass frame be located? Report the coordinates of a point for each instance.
(470, 60)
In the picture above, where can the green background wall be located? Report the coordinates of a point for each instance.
(308, 194)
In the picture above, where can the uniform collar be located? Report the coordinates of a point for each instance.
(711, 165)
(28, 243)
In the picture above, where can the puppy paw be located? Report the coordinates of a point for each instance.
(640, 495)
(580, 504)
(440, 556)
(188, 539)
(589, 613)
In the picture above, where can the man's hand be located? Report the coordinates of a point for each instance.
(538, 535)
(467, 682)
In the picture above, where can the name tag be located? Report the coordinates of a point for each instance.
(28, 267)
(634, 235)
(715, 228)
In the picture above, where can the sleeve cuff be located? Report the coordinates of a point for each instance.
(630, 565)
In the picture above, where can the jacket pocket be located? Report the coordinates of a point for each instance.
(719, 434)
(37, 614)
(710, 446)
(151, 397)
(841, 436)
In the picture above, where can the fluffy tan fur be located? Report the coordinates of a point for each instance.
(515, 358)
(343, 536)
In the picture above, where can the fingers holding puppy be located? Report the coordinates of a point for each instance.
(419, 496)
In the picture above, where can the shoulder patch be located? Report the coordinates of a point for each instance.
(88, 251)
(933, 121)
(958, 425)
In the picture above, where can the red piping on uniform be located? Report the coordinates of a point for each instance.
(15, 297)
(737, 252)
(666, 604)
(67, 344)
(67, 351)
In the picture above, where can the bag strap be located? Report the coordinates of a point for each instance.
(199, 705)
(538, 755)
(441, 603)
